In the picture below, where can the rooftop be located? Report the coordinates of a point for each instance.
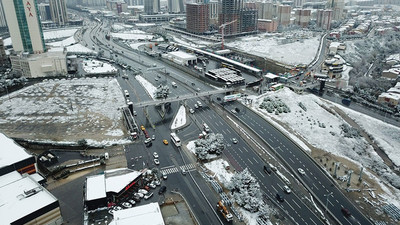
(11, 151)
(149, 214)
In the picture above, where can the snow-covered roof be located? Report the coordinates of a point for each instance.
(149, 214)
(15, 201)
(183, 55)
(393, 96)
(95, 187)
(11, 152)
(270, 76)
(117, 179)
(223, 58)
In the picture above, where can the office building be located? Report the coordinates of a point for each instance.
(337, 6)
(324, 19)
(298, 3)
(58, 10)
(44, 11)
(3, 22)
(197, 18)
(24, 26)
(151, 7)
(175, 6)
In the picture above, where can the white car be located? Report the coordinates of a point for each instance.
(156, 162)
(127, 205)
(164, 176)
(191, 110)
(286, 189)
(234, 140)
(155, 155)
(153, 137)
(196, 106)
(143, 191)
(152, 185)
(157, 182)
(132, 202)
(148, 195)
(140, 195)
(301, 171)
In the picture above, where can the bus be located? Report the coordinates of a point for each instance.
(175, 139)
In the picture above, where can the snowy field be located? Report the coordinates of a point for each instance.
(64, 43)
(80, 49)
(66, 111)
(151, 90)
(92, 66)
(302, 51)
(320, 125)
(133, 35)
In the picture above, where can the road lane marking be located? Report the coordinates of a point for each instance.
(261, 174)
(250, 162)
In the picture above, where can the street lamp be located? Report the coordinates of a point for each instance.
(327, 197)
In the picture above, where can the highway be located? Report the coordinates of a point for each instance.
(240, 155)
(295, 158)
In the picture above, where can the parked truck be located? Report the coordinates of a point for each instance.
(224, 211)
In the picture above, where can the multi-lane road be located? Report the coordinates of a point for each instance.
(199, 195)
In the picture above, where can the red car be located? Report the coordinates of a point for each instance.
(146, 134)
(346, 212)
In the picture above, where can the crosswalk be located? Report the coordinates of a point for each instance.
(174, 169)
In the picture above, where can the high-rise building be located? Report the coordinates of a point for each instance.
(3, 22)
(24, 25)
(58, 10)
(175, 6)
(229, 11)
(213, 12)
(298, 3)
(324, 19)
(303, 17)
(284, 14)
(337, 7)
(44, 11)
(151, 7)
(3, 56)
(197, 17)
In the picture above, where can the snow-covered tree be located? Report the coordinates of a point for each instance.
(162, 91)
(211, 144)
(246, 192)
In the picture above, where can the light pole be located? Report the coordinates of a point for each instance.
(327, 197)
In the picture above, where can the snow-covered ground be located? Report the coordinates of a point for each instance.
(217, 167)
(120, 26)
(64, 43)
(92, 66)
(66, 111)
(133, 35)
(320, 125)
(151, 90)
(302, 51)
(180, 118)
(80, 49)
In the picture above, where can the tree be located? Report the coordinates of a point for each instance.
(211, 144)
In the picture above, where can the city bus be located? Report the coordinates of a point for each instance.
(175, 139)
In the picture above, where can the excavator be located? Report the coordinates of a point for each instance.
(224, 211)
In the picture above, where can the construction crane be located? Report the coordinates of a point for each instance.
(222, 27)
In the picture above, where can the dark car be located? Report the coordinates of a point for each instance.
(267, 169)
(279, 197)
(162, 190)
(346, 212)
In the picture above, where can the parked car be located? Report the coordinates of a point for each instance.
(196, 106)
(162, 190)
(149, 195)
(301, 171)
(164, 176)
(157, 182)
(143, 191)
(152, 185)
(140, 195)
(126, 205)
(286, 189)
(156, 162)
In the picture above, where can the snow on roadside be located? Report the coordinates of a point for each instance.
(151, 90)
(385, 135)
(93, 66)
(217, 167)
(56, 34)
(80, 49)
(64, 43)
(180, 118)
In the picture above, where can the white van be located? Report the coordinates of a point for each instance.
(174, 84)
